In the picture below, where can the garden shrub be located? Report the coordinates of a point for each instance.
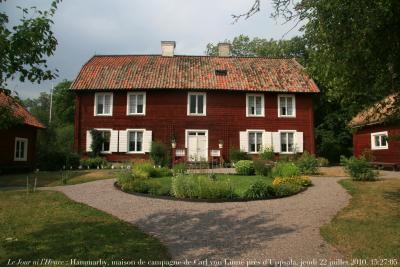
(307, 163)
(259, 190)
(244, 167)
(285, 169)
(261, 167)
(322, 162)
(124, 177)
(267, 153)
(94, 163)
(159, 154)
(146, 169)
(359, 169)
(97, 142)
(298, 180)
(180, 168)
(201, 187)
(284, 190)
(236, 155)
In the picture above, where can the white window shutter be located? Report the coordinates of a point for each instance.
(123, 141)
(372, 141)
(267, 139)
(114, 141)
(276, 142)
(299, 142)
(88, 141)
(147, 139)
(244, 141)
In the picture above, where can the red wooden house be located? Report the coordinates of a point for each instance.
(200, 105)
(18, 143)
(377, 132)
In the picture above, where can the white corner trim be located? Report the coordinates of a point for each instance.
(262, 105)
(279, 106)
(128, 105)
(204, 103)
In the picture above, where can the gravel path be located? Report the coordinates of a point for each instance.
(278, 229)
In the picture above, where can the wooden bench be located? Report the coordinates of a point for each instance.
(383, 165)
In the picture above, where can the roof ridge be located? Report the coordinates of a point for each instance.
(203, 56)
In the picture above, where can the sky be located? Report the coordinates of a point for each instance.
(89, 27)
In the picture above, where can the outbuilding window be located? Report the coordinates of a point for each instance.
(379, 141)
(103, 103)
(21, 149)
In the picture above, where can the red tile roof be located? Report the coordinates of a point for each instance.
(193, 72)
(20, 111)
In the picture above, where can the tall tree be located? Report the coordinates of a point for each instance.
(63, 103)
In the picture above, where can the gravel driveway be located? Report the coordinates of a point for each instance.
(278, 229)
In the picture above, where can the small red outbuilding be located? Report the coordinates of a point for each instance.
(378, 132)
(18, 143)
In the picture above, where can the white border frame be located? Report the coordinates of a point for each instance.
(279, 106)
(144, 103)
(204, 104)
(25, 140)
(294, 142)
(95, 104)
(248, 140)
(262, 105)
(127, 141)
(373, 147)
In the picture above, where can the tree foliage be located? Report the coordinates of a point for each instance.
(26, 46)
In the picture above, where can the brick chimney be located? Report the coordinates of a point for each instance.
(224, 49)
(167, 48)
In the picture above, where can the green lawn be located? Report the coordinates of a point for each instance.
(47, 225)
(239, 182)
(45, 178)
(369, 227)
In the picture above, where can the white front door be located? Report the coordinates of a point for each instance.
(197, 145)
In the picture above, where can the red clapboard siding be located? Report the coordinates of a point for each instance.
(362, 142)
(7, 146)
(166, 114)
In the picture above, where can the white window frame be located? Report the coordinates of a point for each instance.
(127, 141)
(25, 156)
(294, 142)
(248, 141)
(380, 147)
(262, 105)
(128, 104)
(204, 104)
(111, 104)
(104, 130)
(294, 106)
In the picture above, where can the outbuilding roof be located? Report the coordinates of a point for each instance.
(19, 110)
(130, 72)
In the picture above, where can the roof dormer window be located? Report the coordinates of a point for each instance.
(221, 72)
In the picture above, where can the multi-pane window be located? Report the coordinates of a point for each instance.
(255, 142)
(136, 103)
(379, 140)
(135, 141)
(255, 105)
(287, 106)
(105, 146)
(196, 104)
(103, 102)
(21, 149)
(287, 142)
